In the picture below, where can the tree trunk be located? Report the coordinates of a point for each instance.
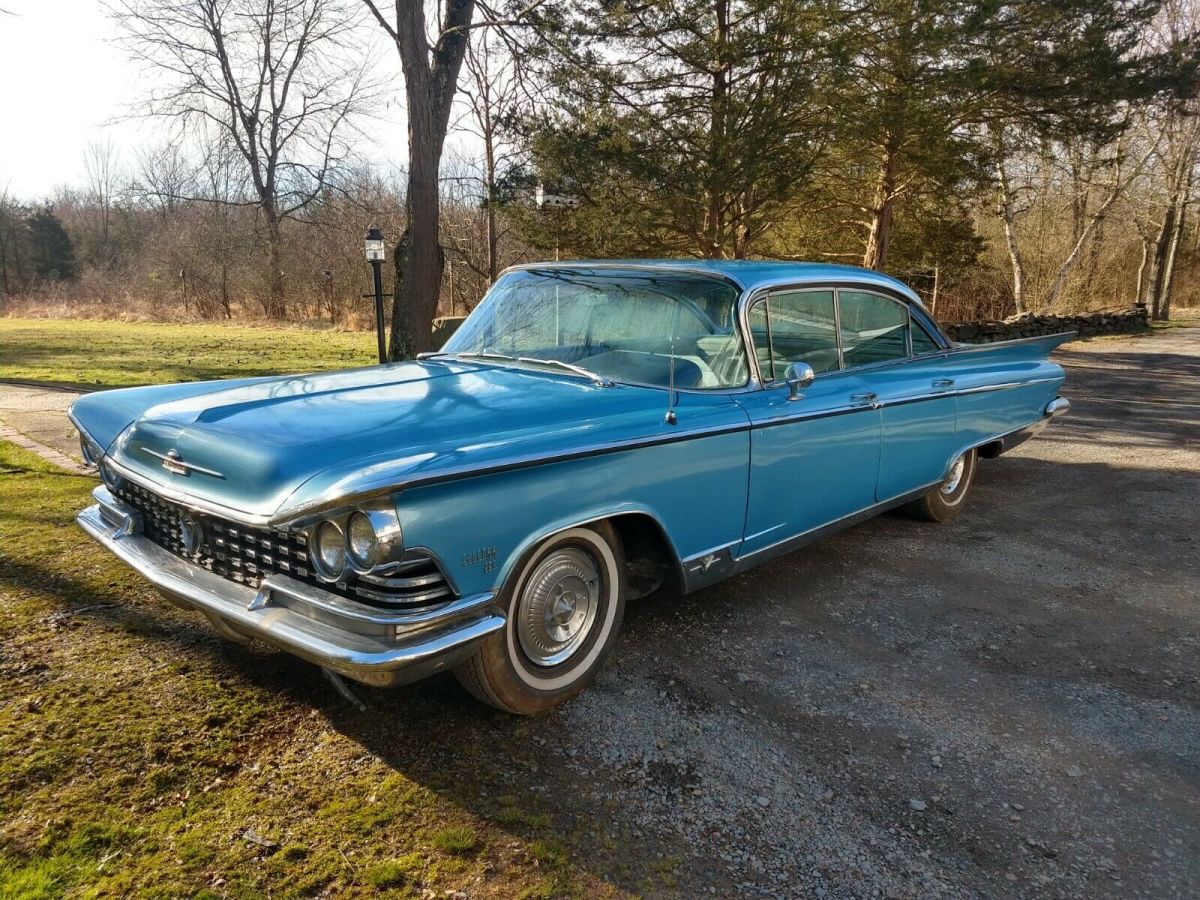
(1162, 246)
(430, 79)
(276, 305)
(1139, 285)
(1173, 252)
(419, 257)
(493, 240)
(714, 232)
(1167, 241)
(880, 234)
(1008, 215)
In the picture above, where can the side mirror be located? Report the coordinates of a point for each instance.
(798, 376)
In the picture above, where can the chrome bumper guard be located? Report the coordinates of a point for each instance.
(1057, 407)
(374, 646)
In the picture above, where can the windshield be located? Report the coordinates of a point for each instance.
(629, 326)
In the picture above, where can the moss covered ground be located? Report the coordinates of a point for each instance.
(140, 755)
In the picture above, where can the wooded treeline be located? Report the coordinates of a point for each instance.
(1002, 157)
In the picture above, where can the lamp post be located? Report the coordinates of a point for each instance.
(376, 250)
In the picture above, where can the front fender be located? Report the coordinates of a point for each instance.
(480, 528)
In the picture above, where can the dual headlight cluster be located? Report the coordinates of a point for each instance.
(363, 541)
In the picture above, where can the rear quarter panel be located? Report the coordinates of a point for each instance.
(1004, 386)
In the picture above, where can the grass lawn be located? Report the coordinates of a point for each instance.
(94, 354)
(142, 755)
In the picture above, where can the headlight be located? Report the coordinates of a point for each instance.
(328, 552)
(109, 475)
(89, 450)
(361, 542)
(374, 540)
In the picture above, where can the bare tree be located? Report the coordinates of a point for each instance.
(431, 65)
(165, 177)
(100, 169)
(276, 78)
(491, 97)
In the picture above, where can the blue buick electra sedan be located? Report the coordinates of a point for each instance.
(595, 431)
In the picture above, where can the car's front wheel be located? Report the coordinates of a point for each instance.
(946, 501)
(564, 606)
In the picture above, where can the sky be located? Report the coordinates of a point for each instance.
(64, 84)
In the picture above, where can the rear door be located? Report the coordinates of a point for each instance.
(905, 372)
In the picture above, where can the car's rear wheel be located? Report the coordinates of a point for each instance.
(564, 605)
(946, 501)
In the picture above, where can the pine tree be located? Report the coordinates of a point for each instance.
(51, 251)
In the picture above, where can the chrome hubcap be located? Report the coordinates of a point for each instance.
(558, 606)
(950, 485)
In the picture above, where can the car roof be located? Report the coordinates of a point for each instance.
(751, 274)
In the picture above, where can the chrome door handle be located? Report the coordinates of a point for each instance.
(943, 382)
(866, 398)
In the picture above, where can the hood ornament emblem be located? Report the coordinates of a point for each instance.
(174, 463)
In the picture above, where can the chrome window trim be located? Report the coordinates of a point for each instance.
(764, 293)
(915, 322)
(633, 267)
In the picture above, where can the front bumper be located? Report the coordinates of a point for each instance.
(375, 646)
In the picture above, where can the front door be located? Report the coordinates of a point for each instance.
(813, 460)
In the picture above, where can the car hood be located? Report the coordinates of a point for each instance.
(267, 448)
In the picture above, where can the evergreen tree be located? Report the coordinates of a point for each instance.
(681, 126)
(51, 251)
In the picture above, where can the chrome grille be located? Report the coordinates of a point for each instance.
(247, 555)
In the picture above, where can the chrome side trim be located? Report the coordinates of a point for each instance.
(986, 388)
(372, 646)
(385, 483)
(787, 545)
(708, 568)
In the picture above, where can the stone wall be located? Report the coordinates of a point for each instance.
(1031, 325)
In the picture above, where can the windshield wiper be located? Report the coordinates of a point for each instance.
(485, 354)
(533, 360)
(570, 367)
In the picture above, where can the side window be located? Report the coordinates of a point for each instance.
(921, 341)
(795, 326)
(874, 328)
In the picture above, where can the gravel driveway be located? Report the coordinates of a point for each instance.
(1007, 705)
